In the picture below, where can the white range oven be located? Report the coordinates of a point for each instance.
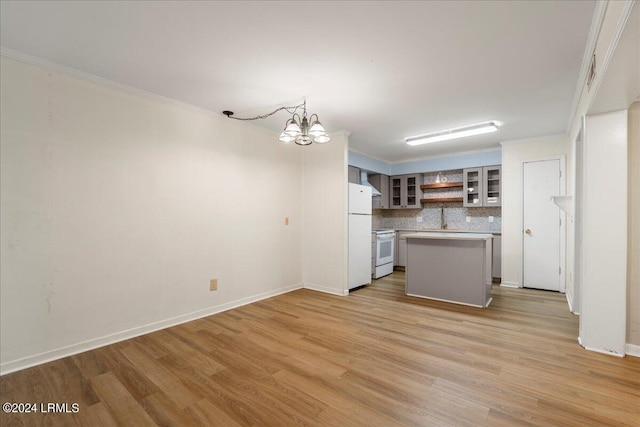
(384, 251)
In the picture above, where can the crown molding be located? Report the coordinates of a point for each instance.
(592, 39)
(52, 66)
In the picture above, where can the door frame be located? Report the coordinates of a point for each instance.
(562, 160)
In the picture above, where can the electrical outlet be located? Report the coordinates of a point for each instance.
(286, 220)
(490, 218)
(418, 219)
(468, 219)
(213, 284)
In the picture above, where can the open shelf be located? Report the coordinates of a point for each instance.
(441, 200)
(565, 203)
(441, 185)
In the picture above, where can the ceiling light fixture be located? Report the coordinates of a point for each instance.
(445, 135)
(297, 128)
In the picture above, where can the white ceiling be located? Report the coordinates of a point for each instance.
(381, 70)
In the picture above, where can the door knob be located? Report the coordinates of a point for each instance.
(527, 231)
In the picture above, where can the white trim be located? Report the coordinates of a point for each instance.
(562, 160)
(580, 211)
(592, 39)
(532, 139)
(32, 60)
(23, 57)
(425, 158)
(70, 350)
(510, 284)
(325, 289)
(608, 353)
(624, 16)
(632, 350)
(570, 303)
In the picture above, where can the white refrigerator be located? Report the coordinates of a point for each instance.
(359, 235)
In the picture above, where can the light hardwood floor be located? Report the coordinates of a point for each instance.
(374, 358)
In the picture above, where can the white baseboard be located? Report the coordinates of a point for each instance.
(570, 302)
(325, 289)
(597, 350)
(59, 353)
(632, 350)
(510, 284)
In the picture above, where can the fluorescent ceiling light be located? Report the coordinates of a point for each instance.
(461, 132)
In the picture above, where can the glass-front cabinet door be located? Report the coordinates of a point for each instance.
(413, 191)
(492, 185)
(405, 191)
(472, 187)
(396, 192)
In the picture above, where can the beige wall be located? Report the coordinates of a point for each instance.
(604, 234)
(325, 216)
(633, 255)
(513, 154)
(117, 209)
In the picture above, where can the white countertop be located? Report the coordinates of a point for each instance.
(447, 230)
(449, 236)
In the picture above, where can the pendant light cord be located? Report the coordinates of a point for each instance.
(290, 110)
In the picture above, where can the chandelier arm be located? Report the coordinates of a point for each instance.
(264, 116)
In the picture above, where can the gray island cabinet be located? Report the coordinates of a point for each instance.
(451, 267)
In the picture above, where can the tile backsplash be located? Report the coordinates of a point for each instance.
(455, 216)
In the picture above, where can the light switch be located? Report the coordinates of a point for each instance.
(418, 219)
(490, 218)
(468, 219)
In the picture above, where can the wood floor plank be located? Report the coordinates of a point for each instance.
(122, 405)
(373, 358)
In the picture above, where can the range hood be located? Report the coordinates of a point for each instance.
(364, 180)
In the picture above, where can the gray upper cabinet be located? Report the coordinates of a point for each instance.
(405, 191)
(354, 175)
(492, 190)
(381, 182)
(482, 187)
(472, 187)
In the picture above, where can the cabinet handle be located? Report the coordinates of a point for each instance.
(528, 231)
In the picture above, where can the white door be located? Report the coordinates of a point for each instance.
(541, 225)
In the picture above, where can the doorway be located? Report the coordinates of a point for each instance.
(542, 225)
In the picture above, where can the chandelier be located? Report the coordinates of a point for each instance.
(296, 129)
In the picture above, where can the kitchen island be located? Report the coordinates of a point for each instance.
(452, 267)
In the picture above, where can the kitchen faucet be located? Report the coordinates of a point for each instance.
(443, 224)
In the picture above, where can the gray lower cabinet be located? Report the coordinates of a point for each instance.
(401, 252)
(497, 256)
(452, 267)
(402, 248)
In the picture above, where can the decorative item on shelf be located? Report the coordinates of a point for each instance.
(444, 179)
(297, 129)
(438, 178)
